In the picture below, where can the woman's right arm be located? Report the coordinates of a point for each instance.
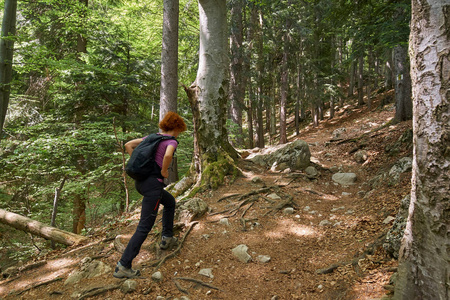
(129, 146)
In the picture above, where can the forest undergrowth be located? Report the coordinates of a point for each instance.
(328, 246)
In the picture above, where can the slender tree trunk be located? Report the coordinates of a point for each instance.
(284, 91)
(37, 228)
(169, 71)
(6, 57)
(369, 77)
(424, 262)
(351, 85)
(250, 111)
(236, 78)
(169, 59)
(403, 101)
(261, 101)
(361, 81)
(388, 70)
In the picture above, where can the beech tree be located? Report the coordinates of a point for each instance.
(208, 95)
(424, 264)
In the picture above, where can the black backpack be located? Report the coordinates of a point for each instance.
(142, 164)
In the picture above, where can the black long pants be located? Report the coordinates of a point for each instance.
(154, 195)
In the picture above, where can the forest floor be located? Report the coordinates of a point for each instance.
(298, 244)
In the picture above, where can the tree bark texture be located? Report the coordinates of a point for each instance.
(6, 56)
(169, 71)
(209, 94)
(403, 101)
(169, 59)
(236, 68)
(424, 261)
(39, 229)
(361, 80)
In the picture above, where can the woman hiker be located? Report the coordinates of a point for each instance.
(152, 188)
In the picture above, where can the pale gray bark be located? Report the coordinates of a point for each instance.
(169, 71)
(39, 229)
(236, 67)
(169, 59)
(6, 56)
(424, 261)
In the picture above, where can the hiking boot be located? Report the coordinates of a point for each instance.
(167, 242)
(123, 272)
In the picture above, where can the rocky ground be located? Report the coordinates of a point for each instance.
(303, 235)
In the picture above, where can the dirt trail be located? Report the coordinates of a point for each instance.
(330, 224)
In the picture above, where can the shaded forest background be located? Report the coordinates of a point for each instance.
(87, 78)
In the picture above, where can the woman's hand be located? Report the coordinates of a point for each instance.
(165, 173)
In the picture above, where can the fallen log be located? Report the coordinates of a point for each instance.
(39, 229)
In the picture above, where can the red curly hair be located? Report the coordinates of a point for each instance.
(172, 121)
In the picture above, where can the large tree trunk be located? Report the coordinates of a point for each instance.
(424, 262)
(39, 229)
(169, 71)
(213, 155)
(6, 56)
(403, 101)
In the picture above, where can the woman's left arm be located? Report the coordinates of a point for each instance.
(167, 160)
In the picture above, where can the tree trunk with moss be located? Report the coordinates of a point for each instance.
(213, 155)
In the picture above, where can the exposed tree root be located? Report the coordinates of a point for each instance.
(98, 290)
(38, 284)
(157, 264)
(198, 282)
(288, 202)
(354, 262)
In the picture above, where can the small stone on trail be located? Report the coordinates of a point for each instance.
(388, 220)
(241, 253)
(263, 258)
(206, 272)
(224, 221)
(288, 211)
(325, 223)
(274, 196)
(157, 276)
(128, 286)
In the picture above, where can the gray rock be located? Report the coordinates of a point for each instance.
(224, 221)
(274, 196)
(311, 171)
(344, 178)
(360, 156)
(128, 286)
(295, 155)
(191, 209)
(395, 234)
(401, 166)
(241, 253)
(157, 276)
(337, 134)
(257, 180)
(325, 223)
(206, 272)
(288, 211)
(88, 269)
(263, 258)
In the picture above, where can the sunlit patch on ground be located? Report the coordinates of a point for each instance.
(290, 227)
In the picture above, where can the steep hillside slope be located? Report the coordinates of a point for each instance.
(328, 228)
